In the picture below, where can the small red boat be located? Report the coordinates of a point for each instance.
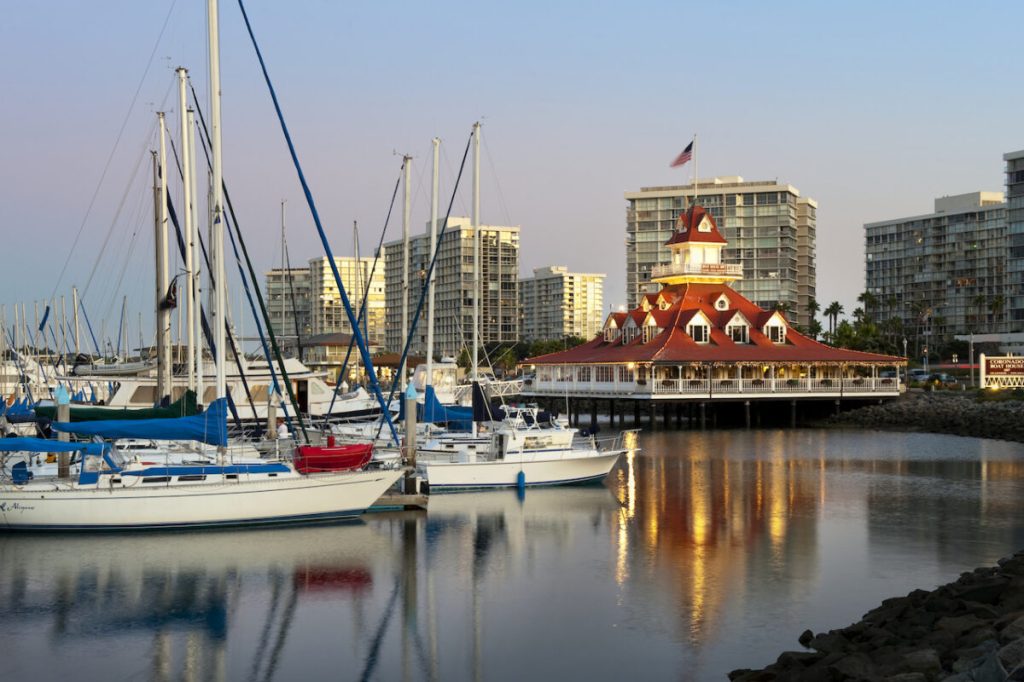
(311, 459)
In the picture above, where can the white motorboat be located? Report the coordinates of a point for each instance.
(524, 449)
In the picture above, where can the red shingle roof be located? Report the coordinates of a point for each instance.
(686, 228)
(674, 345)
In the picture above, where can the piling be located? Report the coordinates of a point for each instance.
(410, 483)
(63, 458)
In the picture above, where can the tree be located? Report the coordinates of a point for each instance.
(834, 310)
(814, 329)
(869, 302)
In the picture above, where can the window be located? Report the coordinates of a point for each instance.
(776, 333)
(698, 332)
(583, 373)
(650, 332)
(610, 334)
(738, 333)
(604, 373)
(625, 374)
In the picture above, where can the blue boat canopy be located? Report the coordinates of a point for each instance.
(210, 427)
(432, 411)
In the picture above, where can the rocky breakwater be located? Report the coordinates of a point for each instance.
(942, 412)
(971, 629)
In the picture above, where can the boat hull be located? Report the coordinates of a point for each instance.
(300, 499)
(538, 470)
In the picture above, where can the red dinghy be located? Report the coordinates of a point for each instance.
(311, 459)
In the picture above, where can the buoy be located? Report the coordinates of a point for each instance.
(521, 481)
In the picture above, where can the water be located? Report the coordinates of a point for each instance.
(706, 552)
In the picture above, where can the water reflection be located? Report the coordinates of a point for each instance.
(706, 552)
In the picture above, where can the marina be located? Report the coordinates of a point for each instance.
(705, 552)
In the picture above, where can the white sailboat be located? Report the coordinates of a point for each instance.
(522, 447)
(111, 493)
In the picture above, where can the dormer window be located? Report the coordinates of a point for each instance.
(705, 225)
(722, 303)
(630, 333)
(650, 332)
(776, 333)
(610, 334)
(738, 333)
(664, 305)
(699, 332)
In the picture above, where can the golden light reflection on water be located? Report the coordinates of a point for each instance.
(706, 519)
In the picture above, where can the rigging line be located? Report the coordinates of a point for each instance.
(120, 207)
(295, 306)
(497, 183)
(117, 141)
(448, 166)
(287, 382)
(363, 349)
(430, 273)
(366, 290)
(132, 242)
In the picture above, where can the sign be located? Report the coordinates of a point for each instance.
(1002, 371)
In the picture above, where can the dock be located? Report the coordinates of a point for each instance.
(396, 501)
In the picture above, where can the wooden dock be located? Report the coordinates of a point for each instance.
(395, 501)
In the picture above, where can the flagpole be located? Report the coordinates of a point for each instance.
(695, 176)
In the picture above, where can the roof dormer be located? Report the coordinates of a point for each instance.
(722, 302)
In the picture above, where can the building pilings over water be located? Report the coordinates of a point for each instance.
(697, 340)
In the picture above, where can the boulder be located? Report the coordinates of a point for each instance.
(922, 661)
(1012, 655)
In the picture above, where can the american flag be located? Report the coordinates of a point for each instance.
(683, 157)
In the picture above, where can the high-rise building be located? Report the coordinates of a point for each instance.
(288, 303)
(769, 227)
(556, 303)
(327, 312)
(453, 293)
(941, 273)
(1015, 235)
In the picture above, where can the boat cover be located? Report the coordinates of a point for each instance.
(432, 411)
(44, 445)
(184, 406)
(210, 427)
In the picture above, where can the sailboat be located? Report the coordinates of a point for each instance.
(111, 493)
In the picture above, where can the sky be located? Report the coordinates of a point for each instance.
(871, 108)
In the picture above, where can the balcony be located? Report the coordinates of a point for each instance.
(720, 388)
(705, 269)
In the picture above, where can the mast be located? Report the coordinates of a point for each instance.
(74, 303)
(186, 185)
(63, 329)
(218, 276)
(284, 276)
(358, 290)
(163, 313)
(476, 251)
(193, 247)
(429, 380)
(124, 329)
(405, 252)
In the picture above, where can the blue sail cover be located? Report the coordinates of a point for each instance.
(432, 411)
(210, 427)
(43, 445)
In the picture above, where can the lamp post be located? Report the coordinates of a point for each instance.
(970, 356)
(906, 371)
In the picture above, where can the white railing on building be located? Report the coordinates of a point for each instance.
(716, 387)
(709, 269)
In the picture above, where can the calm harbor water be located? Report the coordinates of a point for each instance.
(705, 552)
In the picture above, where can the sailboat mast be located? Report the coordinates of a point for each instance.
(405, 252)
(74, 304)
(358, 290)
(186, 185)
(163, 313)
(476, 251)
(218, 275)
(63, 329)
(193, 247)
(429, 379)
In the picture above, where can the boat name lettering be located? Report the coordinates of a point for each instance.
(14, 506)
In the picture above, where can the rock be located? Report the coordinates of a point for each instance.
(1014, 630)
(830, 643)
(985, 591)
(1017, 674)
(797, 659)
(922, 661)
(906, 677)
(1012, 655)
(976, 637)
(857, 666)
(805, 638)
(957, 625)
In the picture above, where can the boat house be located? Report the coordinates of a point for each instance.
(696, 339)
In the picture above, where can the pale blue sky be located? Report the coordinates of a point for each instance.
(871, 108)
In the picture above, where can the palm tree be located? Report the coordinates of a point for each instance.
(834, 310)
(813, 308)
(869, 302)
(996, 306)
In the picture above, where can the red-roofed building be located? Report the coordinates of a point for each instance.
(699, 339)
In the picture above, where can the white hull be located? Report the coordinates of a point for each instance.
(539, 469)
(299, 499)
